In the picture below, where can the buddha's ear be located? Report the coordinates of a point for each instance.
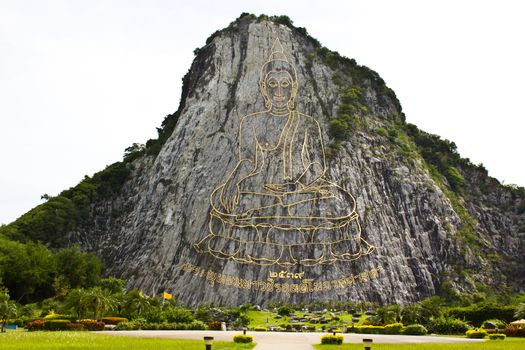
(267, 102)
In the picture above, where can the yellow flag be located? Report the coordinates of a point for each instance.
(167, 295)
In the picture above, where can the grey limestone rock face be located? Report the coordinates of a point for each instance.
(150, 233)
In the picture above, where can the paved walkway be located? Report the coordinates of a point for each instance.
(289, 341)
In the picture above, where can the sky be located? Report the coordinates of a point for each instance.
(82, 80)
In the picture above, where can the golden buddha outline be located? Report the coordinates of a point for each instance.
(276, 207)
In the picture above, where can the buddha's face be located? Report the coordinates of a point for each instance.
(279, 88)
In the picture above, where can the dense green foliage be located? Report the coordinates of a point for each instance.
(32, 272)
(51, 221)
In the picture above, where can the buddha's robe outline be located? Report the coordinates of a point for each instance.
(276, 206)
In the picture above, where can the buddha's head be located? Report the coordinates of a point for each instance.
(278, 80)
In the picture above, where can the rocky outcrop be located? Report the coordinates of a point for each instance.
(148, 234)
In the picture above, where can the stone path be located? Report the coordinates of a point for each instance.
(289, 341)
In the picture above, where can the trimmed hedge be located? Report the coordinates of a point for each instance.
(56, 325)
(92, 325)
(515, 332)
(36, 325)
(447, 325)
(332, 339)
(497, 336)
(476, 333)
(414, 329)
(113, 320)
(75, 327)
(260, 329)
(393, 328)
(141, 325)
(214, 326)
(241, 338)
(70, 318)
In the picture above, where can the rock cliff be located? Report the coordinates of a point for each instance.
(374, 216)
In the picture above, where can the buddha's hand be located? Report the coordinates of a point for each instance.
(284, 187)
(230, 198)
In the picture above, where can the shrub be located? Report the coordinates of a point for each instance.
(497, 336)
(477, 313)
(56, 325)
(75, 327)
(515, 332)
(285, 310)
(332, 339)
(196, 325)
(142, 325)
(447, 325)
(370, 329)
(179, 315)
(128, 326)
(54, 316)
(476, 333)
(393, 328)
(92, 325)
(214, 326)
(241, 338)
(36, 325)
(113, 320)
(414, 329)
(260, 329)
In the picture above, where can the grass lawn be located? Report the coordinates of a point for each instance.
(507, 344)
(84, 340)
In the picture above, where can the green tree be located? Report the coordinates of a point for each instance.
(384, 315)
(99, 300)
(520, 311)
(8, 308)
(78, 301)
(28, 270)
(114, 285)
(135, 303)
(80, 269)
(411, 314)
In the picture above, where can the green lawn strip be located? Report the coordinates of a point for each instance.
(268, 319)
(86, 340)
(507, 344)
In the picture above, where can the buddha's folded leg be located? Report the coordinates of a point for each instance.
(350, 249)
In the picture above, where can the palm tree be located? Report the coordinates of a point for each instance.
(384, 315)
(411, 314)
(136, 303)
(8, 309)
(99, 300)
(78, 300)
(396, 309)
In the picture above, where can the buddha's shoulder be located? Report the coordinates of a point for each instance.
(308, 120)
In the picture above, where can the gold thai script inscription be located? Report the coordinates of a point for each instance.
(285, 274)
(270, 286)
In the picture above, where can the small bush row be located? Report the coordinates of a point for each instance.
(394, 328)
(241, 338)
(140, 325)
(476, 333)
(497, 336)
(113, 320)
(515, 332)
(332, 339)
